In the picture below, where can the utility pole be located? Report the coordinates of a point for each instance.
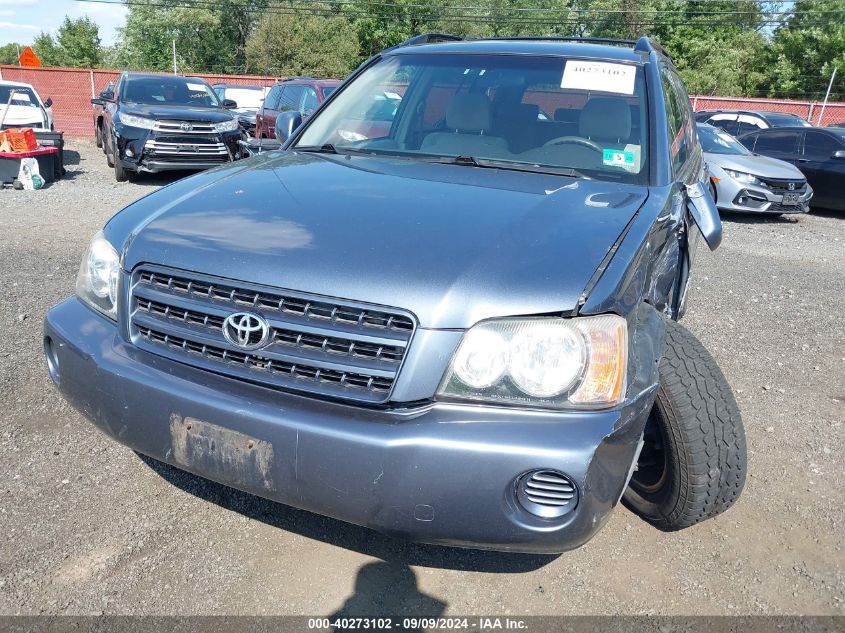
(829, 86)
(174, 56)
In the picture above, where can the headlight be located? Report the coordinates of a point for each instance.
(542, 362)
(136, 121)
(96, 283)
(226, 126)
(743, 177)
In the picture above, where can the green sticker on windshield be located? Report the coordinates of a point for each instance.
(618, 158)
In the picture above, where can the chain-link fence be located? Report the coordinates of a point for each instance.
(72, 88)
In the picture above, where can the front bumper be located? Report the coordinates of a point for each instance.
(732, 195)
(435, 473)
(152, 151)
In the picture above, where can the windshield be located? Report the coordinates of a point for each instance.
(169, 90)
(717, 141)
(244, 97)
(23, 97)
(550, 114)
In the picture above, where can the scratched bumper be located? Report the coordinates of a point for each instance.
(437, 473)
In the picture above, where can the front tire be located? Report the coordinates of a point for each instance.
(121, 174)
(693, 462)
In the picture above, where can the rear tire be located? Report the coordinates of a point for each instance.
(108, 148)
(693, 463)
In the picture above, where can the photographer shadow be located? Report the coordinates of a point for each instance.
(388, 588)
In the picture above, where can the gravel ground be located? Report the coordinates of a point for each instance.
(88, 527)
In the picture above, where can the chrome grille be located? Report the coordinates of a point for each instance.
(191, 127)
(330, 347)
(201, 147)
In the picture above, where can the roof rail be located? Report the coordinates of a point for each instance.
(429, 38)
(646, 45)
(562, 38)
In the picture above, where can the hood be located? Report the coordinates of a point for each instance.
(176, 112)
(452, 244)
(756, 165)
(20, 114)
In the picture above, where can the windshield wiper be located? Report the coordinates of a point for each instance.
(490, 163)
(326, 148)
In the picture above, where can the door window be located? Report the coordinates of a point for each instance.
(727, 122)
(291, 98)
(309, 101)
(777, 142)
(679, 119)
(818, 146)
(272, 98)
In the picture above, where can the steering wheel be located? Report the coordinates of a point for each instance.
(574, 140)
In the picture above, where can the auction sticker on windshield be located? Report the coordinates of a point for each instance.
(618, 158)
(600, 76)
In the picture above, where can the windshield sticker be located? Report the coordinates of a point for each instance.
(618, 158)
(599, 76)
(196, 88)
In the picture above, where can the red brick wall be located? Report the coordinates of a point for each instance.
(70, 89)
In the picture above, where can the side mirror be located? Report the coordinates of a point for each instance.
(95, 101)
(286, 124)
(703, 210)
(230, 104)
(48, 103)
(107, 95)
(838, 154)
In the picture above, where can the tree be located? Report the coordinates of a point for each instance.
(47, 50)
(79, 41)
(206, 39)
(284, 44)
(77, 44)
(9, 53)
(806, 49)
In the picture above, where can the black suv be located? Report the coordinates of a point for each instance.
(456, 325)
(152, 123)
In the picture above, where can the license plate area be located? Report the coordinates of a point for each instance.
(220, 453)
(791, 198)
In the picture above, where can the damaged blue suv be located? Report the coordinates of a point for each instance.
(446, 309)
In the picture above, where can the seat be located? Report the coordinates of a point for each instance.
(468, 119)
(607, 121)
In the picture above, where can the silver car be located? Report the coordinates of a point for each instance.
(743, 181)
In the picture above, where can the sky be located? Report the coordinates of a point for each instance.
(22, 20)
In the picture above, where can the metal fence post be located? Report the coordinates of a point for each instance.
(91, 76)
(810, 112)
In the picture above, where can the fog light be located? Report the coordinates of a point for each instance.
(129, 153)
(52, 360)
(548, 494)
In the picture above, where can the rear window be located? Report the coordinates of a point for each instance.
(543, 112)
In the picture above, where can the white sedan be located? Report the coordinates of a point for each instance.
(21, 106)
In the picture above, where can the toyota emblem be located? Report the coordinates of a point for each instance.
(186, 127)
(246, 330)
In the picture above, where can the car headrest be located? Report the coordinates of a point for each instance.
(605, 118)
(469, 111)
(567, 115)
(529, 111)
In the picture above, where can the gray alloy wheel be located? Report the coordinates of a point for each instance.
(693, 462)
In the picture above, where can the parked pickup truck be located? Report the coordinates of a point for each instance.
(461, 329)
